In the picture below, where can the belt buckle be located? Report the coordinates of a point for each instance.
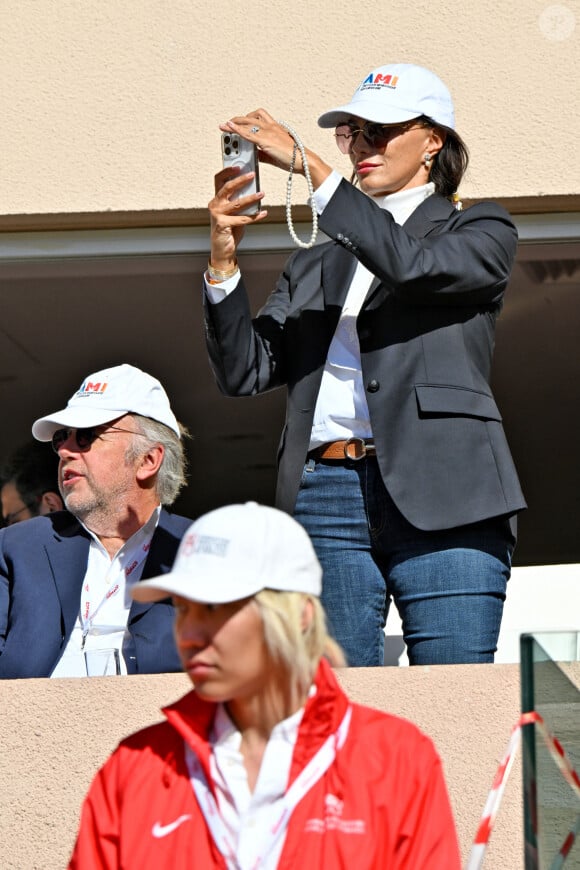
(360, 449)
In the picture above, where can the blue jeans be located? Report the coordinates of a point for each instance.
(449, 586)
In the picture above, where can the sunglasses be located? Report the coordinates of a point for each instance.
(375, 135)
(84, 437)
(12, 519)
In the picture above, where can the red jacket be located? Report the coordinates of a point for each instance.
(381, 804)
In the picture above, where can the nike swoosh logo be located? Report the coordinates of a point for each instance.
(159, 830)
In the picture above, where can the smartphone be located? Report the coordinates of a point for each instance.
(239, 152)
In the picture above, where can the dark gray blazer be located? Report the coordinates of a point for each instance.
(426, 332)
(43, 562)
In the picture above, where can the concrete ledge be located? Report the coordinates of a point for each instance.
(196, 217)
(55, 733)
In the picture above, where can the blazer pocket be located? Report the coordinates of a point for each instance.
(435, 399)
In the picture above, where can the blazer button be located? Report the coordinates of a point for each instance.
(373, 386)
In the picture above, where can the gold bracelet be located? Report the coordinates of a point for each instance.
(219, 274)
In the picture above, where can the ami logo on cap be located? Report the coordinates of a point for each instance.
(89, 388)
(387, 81)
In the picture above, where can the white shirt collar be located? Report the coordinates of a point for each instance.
(135, 540)
(403, 203)
(225, 733)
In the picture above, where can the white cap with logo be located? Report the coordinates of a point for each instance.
(107, 395)
(395, 93)
(235, 551)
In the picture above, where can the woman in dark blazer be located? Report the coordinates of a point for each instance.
(393, 455)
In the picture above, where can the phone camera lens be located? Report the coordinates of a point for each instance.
(227, 140)
(227, 150)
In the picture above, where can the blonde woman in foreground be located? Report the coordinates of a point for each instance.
(266, 763)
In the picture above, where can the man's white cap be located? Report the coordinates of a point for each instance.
(106, 395)
(235, 551)
(395, 93)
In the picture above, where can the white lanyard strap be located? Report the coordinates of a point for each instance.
(87, 615)
(278, 814)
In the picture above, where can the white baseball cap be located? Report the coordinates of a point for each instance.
(106, 395)
(395, 93)
(235, 551)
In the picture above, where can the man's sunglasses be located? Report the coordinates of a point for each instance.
(375, 135)
(84, 437)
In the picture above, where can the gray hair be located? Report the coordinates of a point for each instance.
(171, 477)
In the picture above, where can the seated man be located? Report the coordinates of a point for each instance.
(29, 484)
(66, 578)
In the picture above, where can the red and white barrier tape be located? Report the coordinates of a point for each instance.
(494, 798)
(558, 861)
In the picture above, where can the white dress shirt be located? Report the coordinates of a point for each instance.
(341, 410)
(105, 601)
(244, 812)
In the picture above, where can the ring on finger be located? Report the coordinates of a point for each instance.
(254, 129)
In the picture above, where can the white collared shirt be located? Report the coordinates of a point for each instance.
(341, 410)
(106, 600)
(244, 812)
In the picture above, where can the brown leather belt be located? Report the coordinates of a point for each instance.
(353, 448)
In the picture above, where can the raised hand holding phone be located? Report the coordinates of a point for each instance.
(245, 139)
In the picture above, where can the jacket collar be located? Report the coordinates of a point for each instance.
(192, 717)
(67, 529)
(427, 216)
(159, 559)
(323, 713)
(338, 264)
(68, 564)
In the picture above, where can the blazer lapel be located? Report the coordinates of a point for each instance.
(427, 218)
(67, 554)
(164, 545)
(338, 267)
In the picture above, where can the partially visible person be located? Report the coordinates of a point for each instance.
(65, 578)
(393, 454)
(266, 763)
(29, 483)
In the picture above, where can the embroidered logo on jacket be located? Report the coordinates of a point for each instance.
(333, 820)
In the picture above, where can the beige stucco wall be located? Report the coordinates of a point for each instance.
(55, 733)
(114, 106)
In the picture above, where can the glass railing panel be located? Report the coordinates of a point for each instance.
(550, 668)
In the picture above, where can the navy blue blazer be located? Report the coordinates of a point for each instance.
(426, 335)
(42, 567)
